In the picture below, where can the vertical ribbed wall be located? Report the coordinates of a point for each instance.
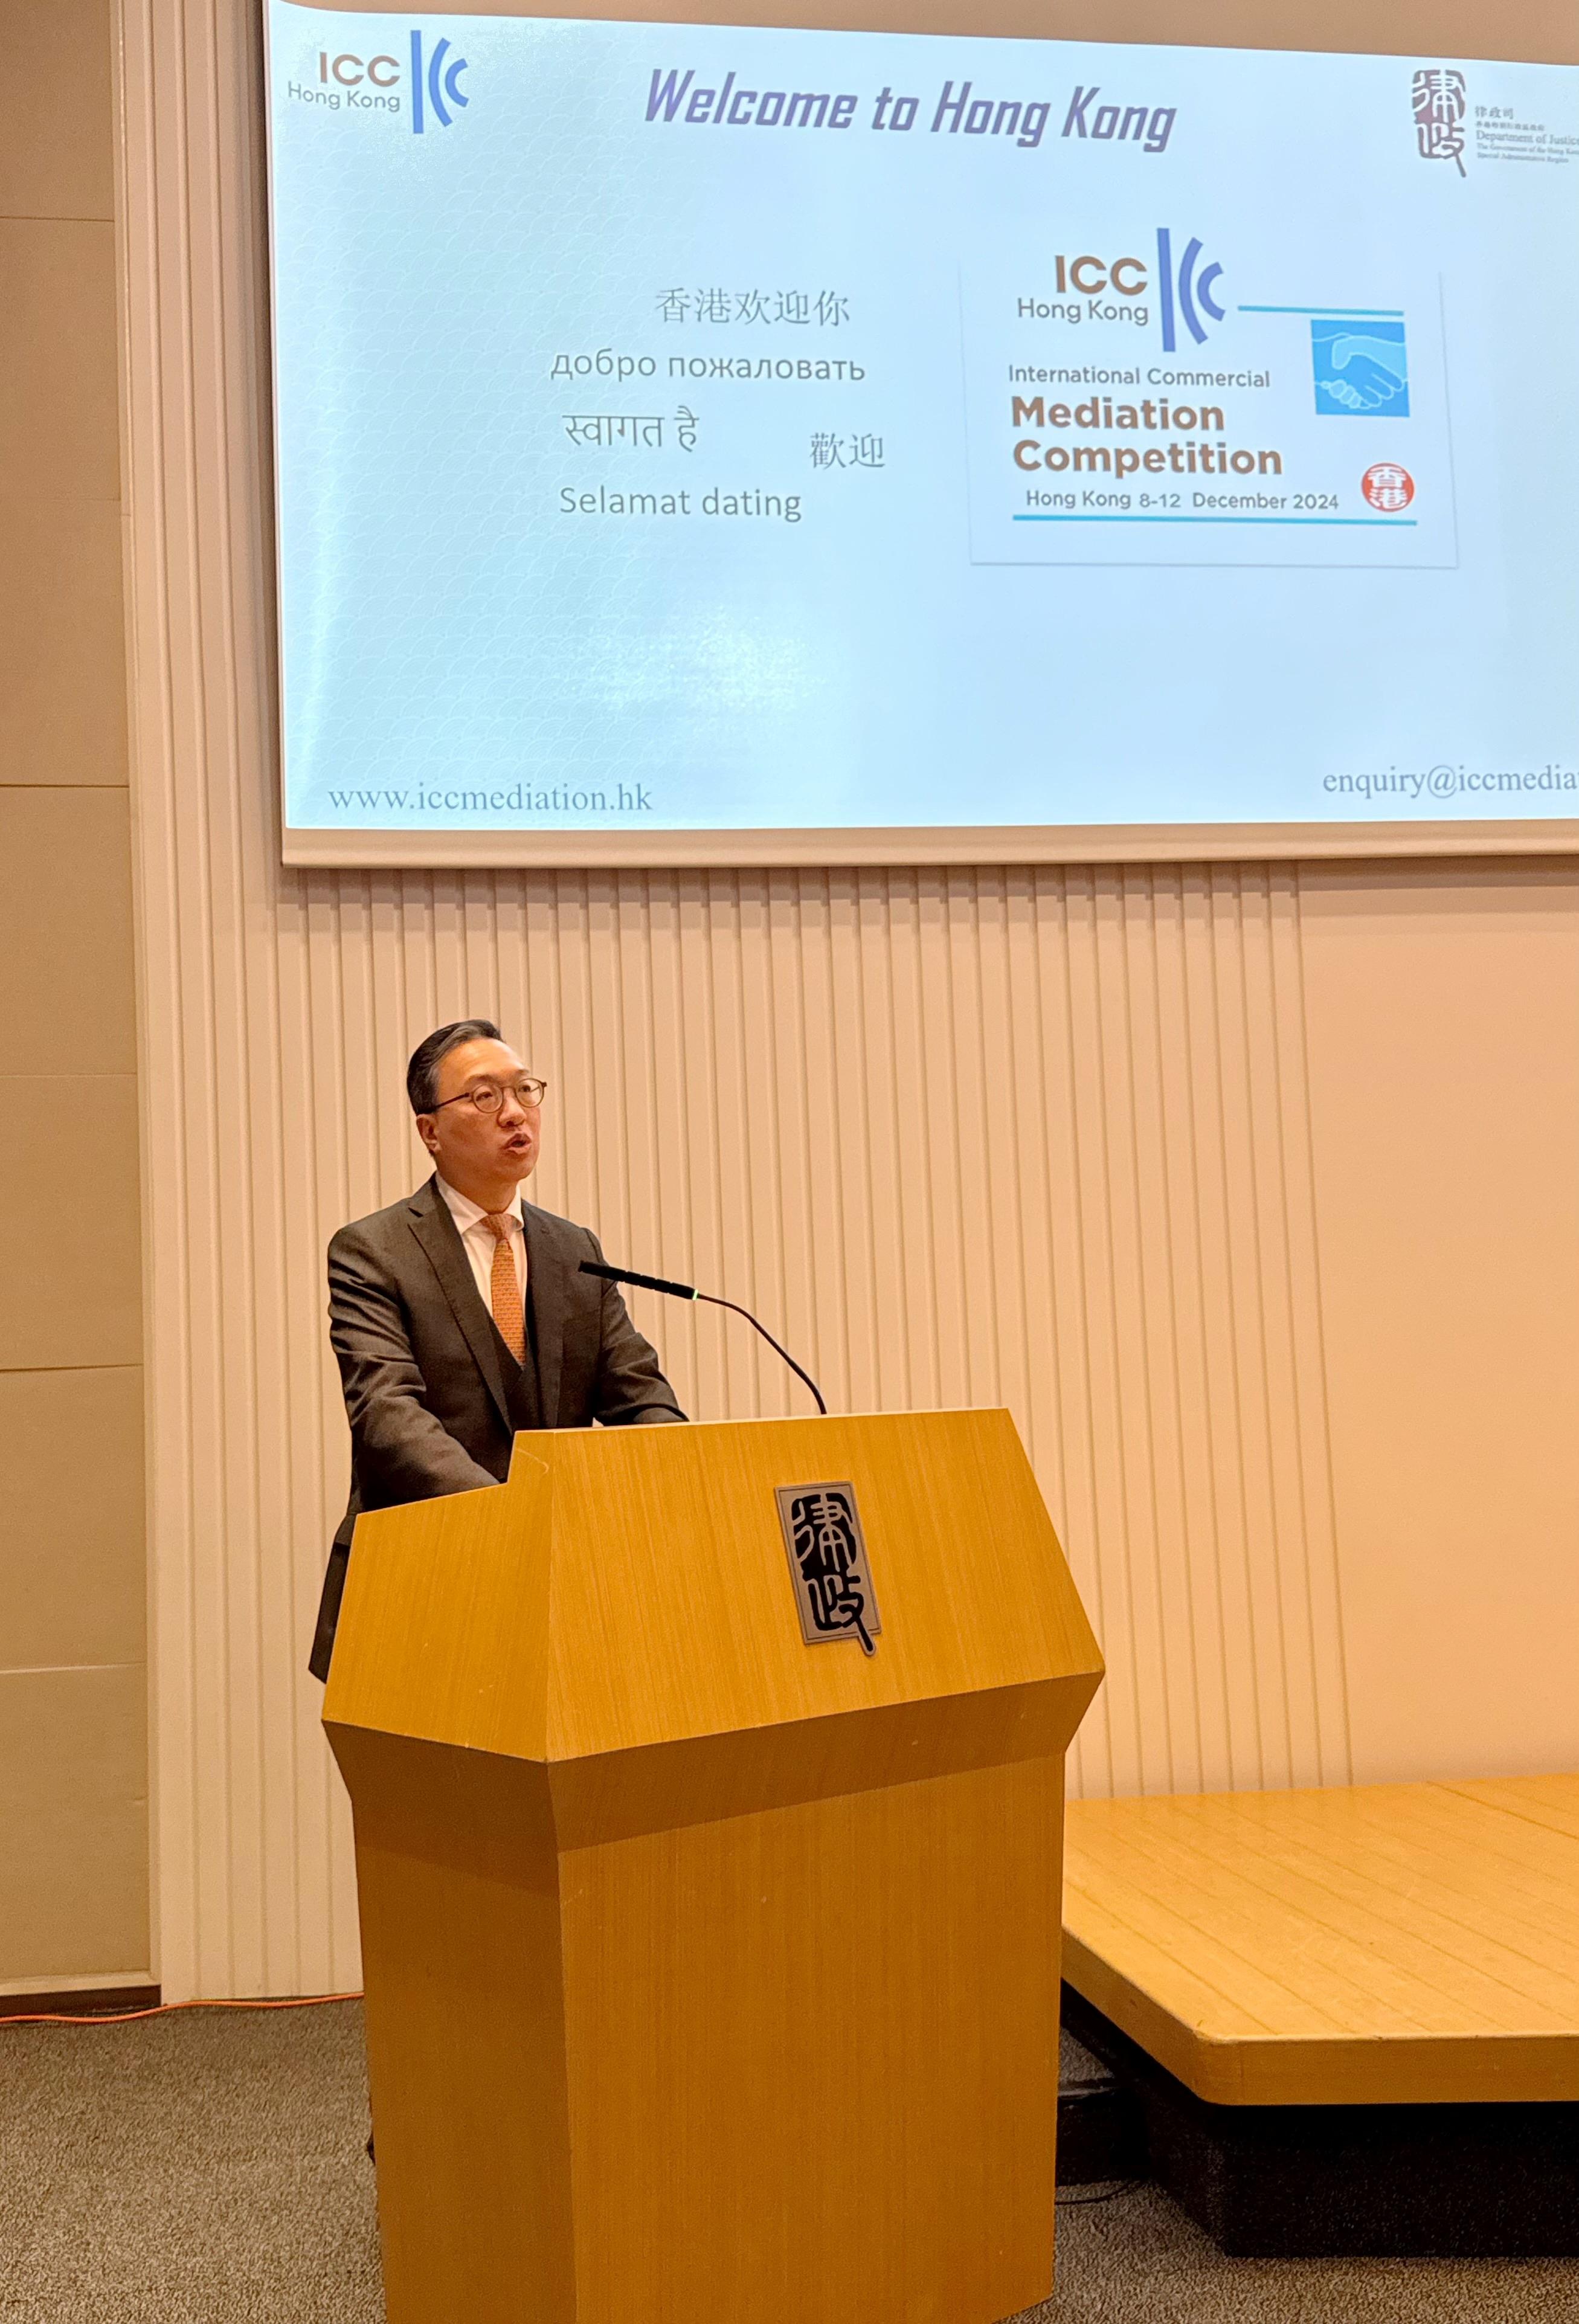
(1036, 1137)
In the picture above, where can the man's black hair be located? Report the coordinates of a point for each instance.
(423, 1072)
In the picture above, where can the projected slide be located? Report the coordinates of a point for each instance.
(695, 429)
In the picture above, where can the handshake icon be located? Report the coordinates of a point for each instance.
(1361, 367)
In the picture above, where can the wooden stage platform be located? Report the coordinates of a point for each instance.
(1396, 1944)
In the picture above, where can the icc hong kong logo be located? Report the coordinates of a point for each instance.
(350, 82)
(440, 79)
(1388, 487)
(827, 1563)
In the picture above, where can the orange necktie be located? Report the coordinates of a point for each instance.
(503, 1289)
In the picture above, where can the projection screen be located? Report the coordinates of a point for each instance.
(725, 443)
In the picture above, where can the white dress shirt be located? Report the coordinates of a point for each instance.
(476, 1238)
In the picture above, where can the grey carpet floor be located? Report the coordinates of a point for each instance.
(208, 2168)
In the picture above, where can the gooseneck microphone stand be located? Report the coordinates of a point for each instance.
(707, 1298)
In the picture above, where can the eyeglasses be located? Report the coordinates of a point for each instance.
(489, 1096)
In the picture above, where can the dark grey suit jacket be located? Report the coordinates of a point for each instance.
(425, 1372)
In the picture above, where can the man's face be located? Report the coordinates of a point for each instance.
(470, 1146)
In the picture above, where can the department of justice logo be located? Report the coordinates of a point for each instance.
(1440, 101)
(827, 1563)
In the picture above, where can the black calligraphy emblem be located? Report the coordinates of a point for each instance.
(1440, 103)
(827, 1561)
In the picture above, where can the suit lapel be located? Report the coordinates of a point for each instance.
(549, 1277)
(439, 1236)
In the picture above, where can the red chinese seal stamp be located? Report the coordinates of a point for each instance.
(1388, 487)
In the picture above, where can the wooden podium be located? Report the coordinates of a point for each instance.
(713, 1976)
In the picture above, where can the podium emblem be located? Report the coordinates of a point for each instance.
(827, 1563)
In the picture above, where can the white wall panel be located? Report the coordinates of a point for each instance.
(1031, 1137)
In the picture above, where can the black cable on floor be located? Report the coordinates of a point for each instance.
(1080, 2202)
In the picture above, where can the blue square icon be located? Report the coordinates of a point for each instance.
(1361, 367)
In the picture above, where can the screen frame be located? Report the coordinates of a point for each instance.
(519, 848)
(736, 850)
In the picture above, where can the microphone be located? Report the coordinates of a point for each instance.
(710, 1299)
(646, 1282)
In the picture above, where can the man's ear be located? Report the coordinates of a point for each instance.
(428, 1132)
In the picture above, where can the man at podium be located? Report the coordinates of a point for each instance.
(459, 1317)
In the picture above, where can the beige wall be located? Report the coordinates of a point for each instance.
(1254, 1192)
(73, 1756)
(1444, 1118)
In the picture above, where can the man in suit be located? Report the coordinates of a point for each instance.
(460, 1316)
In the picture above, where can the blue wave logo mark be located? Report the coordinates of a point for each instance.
(1185, 295)
(438, 80)
(1361, 367)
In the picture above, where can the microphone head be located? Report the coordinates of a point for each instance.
(642, 1282)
